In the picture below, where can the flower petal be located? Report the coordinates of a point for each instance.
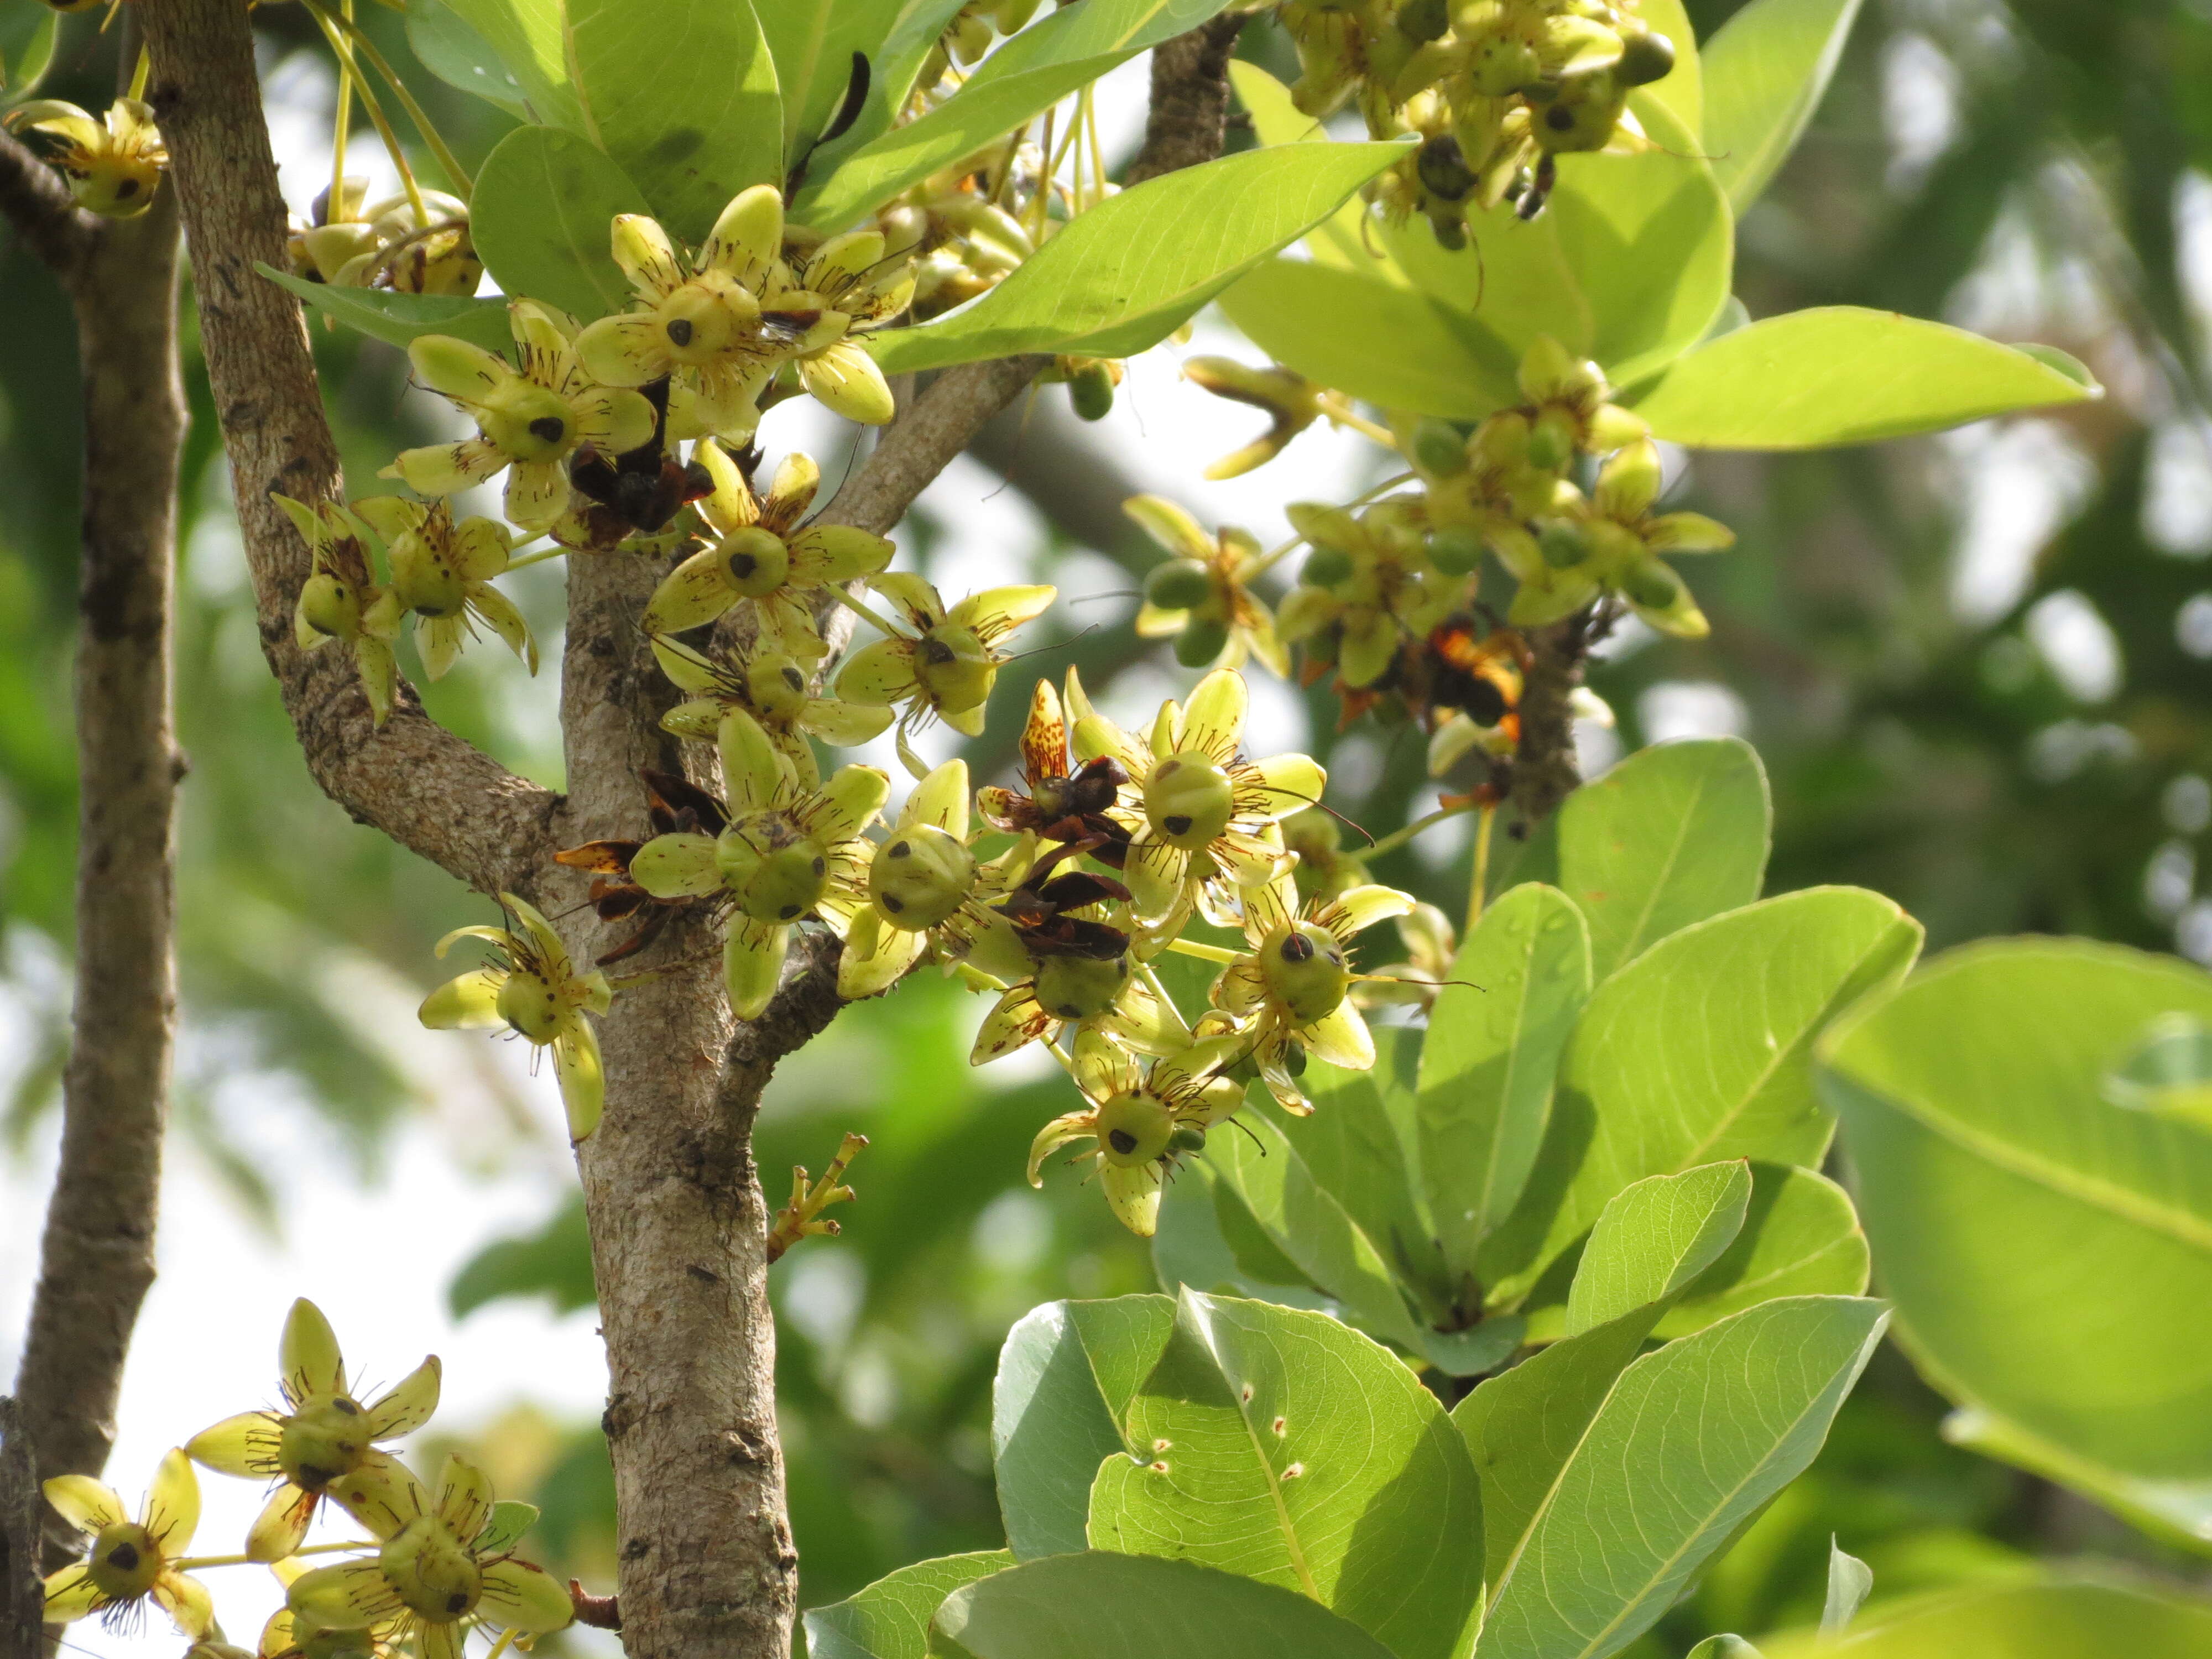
(731, 505)
(470, 1003)
(583, 1076)
(463, 1497)
(753, 771)
(1279, 785)
(281, 1526)
(186, 1601)
(748, 237)
(352, 1595)
(308, 1356)
(1341, 1038)
(448, 469)
(792, 490)
(407, 1406)
(383, 1494)
(1134, 1196)
(837, 553)
(881, 673)
(1363, 907)
(1102, 1067)
(1015, 1021)
(844, 378)
(1213, 718)
(537, 494)
(999, 610)
(526, 1598)
(752, 965)
(544, 943)
(70, 1594)
(677, 866)
(645, 255)
(894, 950)
(456, 369)
(1146, 1021)
(844, 725)
(1687, 532)
(497, 612)
(439, 640)
(1154, 874)
(614, 420)
(244, 1445)
(941, 798)
(848, 803)
(1068, 1126)
(86, 1503)
(624, 351)
(697, 591)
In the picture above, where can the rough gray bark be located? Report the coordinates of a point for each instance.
(96, 1255)
(1544, 768)
(23, 1600)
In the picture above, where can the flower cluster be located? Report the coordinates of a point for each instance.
(417, 243)
(437, 1563)
(113, 163)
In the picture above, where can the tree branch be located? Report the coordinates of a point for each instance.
(430, 791)
(37, 204)
(22, 1597)
(1190, 116)
(1544, 768)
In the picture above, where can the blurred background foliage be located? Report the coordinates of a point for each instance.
(1976, 668)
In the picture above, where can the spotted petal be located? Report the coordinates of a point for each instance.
(890, 951)
(881, 673)
(614, 420)
(677, 866)
(409, 1403)
(1134, 1196)
(448, 468)
(281, 1526)
(537, 494)
(645, 255)
(544, 943)
(999, 610)
(849, 802)
(244, 1445)
(308, 1356)
(1341, 1038)
(748, 237)
(732, 504)
(470, 1003)
(352, 1595)
(86, 1503)
(498, 613)
(624, 351)
(844, 725)
(752, 965)
(1363, 907)
(753, 772)
(468, 373)
(1146, 1021)
(1015, 1021)
(583, 1076)
(526, 1598)
(697, 591)
(1069, 1126)
(1102, 1068)
(172, 1502)
(463, 1497)
(70, 1594)
(837, 553)
(940, 799)
(845, 379)
(1281, 785)
(186, 1601)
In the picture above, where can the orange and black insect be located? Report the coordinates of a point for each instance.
(1040, 907)
(1466, 666)
(1056, 806)
(674, 805)
(640, 490)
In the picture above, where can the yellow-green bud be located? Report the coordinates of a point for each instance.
(1134, 1130)
(1179, 584)
(1091, 391)
(1188, 1138)
(1454, 550)
(1325, 567)
(921, 876)
(1077, 988)
(1562, 544)
(1652, 585)
(1304, 968)
(431, 1570)
(330, 605)
(1190, 801)
(1201, 642)
(1438, 449)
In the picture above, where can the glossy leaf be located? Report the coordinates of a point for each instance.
(2066, 1613)
(889, 1619)
(1682, 89)
(1282, 1446)
(812, 46)
(1387, 343)
(1090, 29)
(2038, 1240)
(451, 49)
(895, 58)
(527, 36)
(1838, 375)
(682, 93)
(396, 318)
(545, 199)
(1065, 1377)
(1764, 74)
(1102, 1605)
(1655, 1238)
(1698, 1051)
(1690, 1442)
(1800, 1237)
(1343, 238)
(1487, 1066)
(1674, 833)
(1630, 264)
(1208, 1240)
(1124, 275)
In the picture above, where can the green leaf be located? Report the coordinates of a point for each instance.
(1066, 1377)
(1123, 276)
(2062, 1613)
(2168, 1071)
(554, 1262)
(1691, 1441)
(1674, 833)
(1194, 1245)
(509, 1520)
(1800, 1237)
(895, 58)
(1838, 375)
(1848, 1581)
(2038, 1241)
(1655, 1237)
(1338, 240)
(1371, 340)
(398, 319)
(544, 202)
(1307, 1222)
(1091, 30)
(1764, 74)
(26, 51)
(1682, 89)
(1100, 1605)
(1282, 1446)
(1487, 1067)
(682, 93)
(812, 45)
(1630, 264)
(889, 1619)
(2178, 1511)
(528, 38)
(1700, 1050)
(454, 51)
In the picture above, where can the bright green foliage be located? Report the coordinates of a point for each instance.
(2042, 1243)
(1120, 1606)
(1765, 73)
(1837, 374)
(1125, 274)
(1800, 1237)
(1279, 1445)
(1654, 1239)
(398, 318)
(2066, 1616)
(682, 93)
(889, 1619)
(544, 198)
(811, 50)
(458, 54)
(527, 37)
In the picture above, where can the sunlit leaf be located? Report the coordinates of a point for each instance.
(545, 201)
(889, 1619)
(397, 319)
(1764, 74)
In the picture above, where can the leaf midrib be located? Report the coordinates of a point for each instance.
(1291, 1543)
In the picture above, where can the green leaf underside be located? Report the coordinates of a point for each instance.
(2038, 1240)
(1764, 74)
(1840, 374)
(526, 37)
(1700, 1051)
(1066, 1377)
(1675, 834)
(1489, 1060)
(2064, 1613)
(397, 319)
(544, 202)
(1123, 276)
(682, 93)
(1285, 1447)
(1338, 240)
(1800, 1237)
(1655, 1237)
(889, 1619)
(1690, 1442)
(454, 51)
(1102, 1605)
(1091, 29)
(2179, 1511)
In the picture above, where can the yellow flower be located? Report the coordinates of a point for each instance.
(1368, 587)
(1431, 943)
(322, 1443)
(1292, 403)
(288, 1635)
(698, 320)
(334, 604)
(534, 990)
(786, 853)
(845, 287)
(1200, 811)
(383, 245)
(1200, 597)
(1138, 1121)
(773, 687)
(762, 558)
(113, 163)
(947, 666)
(442, 572)
(1570, 407)
(130, 1560)
(1616, 541)
(527, 422)
(926, 890)
(1290, 992)
(433, 1571)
